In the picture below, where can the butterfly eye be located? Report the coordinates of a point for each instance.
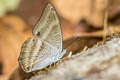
(38, 34)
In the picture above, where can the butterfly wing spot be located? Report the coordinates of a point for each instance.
(38, 34)
(28, 68)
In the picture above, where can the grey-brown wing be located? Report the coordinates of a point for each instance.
(36, 55)
(48, 27)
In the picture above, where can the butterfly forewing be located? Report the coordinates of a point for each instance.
(48, 27)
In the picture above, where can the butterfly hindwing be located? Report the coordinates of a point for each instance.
(36, 55)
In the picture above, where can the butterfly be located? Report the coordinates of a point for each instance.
(46, 46)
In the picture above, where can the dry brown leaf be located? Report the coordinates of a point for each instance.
(13, 32)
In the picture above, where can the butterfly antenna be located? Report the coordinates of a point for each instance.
(69, 43)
